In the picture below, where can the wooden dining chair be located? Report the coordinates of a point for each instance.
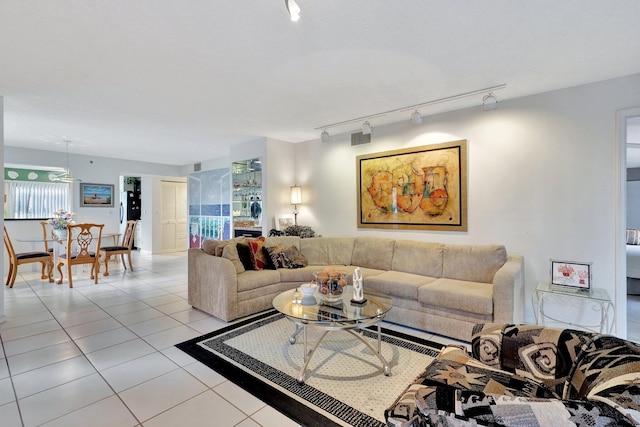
(83, 243)
(124, 249)
(16, 259)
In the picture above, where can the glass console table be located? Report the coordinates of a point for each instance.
(595, 299)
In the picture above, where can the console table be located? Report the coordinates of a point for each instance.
(595, 299)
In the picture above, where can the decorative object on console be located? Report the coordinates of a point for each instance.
(358, 289)
(296, 199)
(421, 188)
(331, 284)
(571, 274)
(283, 221)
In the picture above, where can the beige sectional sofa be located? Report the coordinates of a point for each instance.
(441, 288)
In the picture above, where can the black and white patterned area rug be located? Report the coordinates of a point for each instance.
(344, 384)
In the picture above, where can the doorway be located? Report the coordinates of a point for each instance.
(633, 222)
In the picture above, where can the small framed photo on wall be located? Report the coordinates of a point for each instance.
(96, 195)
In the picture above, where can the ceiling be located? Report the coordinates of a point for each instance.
(177, 82)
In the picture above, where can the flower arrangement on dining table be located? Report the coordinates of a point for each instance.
(62, 219)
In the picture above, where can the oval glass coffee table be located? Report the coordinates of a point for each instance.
(310, 312)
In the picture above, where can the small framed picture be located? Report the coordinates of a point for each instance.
(571, 274)
(283, 221)
(96, 195)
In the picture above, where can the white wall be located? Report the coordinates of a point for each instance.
(3, 318)
(542, 178)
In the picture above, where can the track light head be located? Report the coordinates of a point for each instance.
(366, 128)
(324, 136)
(416, 118)
(293, 9)
(489, 102)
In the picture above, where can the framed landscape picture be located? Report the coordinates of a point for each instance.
(96, 195)
(419, 188)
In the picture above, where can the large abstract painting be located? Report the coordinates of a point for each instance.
(423, 188)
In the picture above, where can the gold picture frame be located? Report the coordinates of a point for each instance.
(419, 188)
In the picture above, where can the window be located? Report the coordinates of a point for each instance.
(34, 199)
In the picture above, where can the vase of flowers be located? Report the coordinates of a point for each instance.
(60, 221)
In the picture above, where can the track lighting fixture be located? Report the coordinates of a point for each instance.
(366, 128)
(293, 9)
(416, 118)
(324, 136)
(489, 102)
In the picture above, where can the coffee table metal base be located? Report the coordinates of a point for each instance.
(353, 329)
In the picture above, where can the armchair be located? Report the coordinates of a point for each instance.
(526, 375)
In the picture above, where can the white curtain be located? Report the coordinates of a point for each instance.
(36, 199)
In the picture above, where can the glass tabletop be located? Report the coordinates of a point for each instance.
(310, 309)
(592, 293)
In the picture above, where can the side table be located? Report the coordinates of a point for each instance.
(595, 299)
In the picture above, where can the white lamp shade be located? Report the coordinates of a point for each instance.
(296, 195)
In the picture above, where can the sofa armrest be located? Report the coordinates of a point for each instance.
(508, 291)
(212, 285)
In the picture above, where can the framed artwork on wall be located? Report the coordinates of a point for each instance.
(96, 195)
(571, 274)
(283, 221)
(420, 188)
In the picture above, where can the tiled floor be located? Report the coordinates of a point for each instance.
(104, 355)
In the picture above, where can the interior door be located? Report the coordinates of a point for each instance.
(174, 216)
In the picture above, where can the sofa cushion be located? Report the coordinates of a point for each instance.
(299, 275)
(253, 279)
(422, 258)
(455, 367)
(542, 353)
(442, 406)
(395, 283)
(209, 245)
(230, 252)
(285, 241)
(373, 252)
(475, 263)
(461, 295)
(601, 361)
(327, 250)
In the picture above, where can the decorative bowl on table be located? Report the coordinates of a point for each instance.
(308, 288)
(331, 284)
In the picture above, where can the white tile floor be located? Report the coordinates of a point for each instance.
(104, 355)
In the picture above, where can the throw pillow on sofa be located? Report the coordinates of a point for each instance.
(280, 258)
(244, 253)
(258, 257)
(230, 252)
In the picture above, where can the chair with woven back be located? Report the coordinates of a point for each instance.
(124, 249)
(16, 259)
(83, 243)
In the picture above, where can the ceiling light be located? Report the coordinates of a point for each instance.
(489, 102)
(324, 136)
(293, 9)
(366, 128)
(416, 118)
(66, 175)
